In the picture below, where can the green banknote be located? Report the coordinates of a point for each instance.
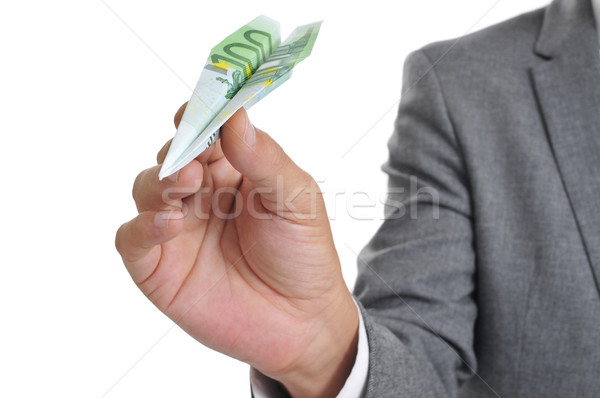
(239, 72)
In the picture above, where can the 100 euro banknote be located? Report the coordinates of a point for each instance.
(240, 71)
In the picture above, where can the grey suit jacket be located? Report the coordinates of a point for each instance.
(499, 294)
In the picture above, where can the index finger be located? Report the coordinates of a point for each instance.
(179, 114)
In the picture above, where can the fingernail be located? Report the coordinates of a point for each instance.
(162, 218)
(250, 133)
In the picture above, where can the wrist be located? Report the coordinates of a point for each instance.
(328, 360)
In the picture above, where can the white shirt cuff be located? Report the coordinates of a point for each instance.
(355, 386)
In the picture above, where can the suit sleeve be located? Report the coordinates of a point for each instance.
(416, 275)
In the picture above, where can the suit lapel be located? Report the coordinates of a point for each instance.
(567, 85)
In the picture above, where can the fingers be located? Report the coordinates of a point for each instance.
(286, 189)
(160, 157)
(162, 154)
(150, 193)
(179, 115)
(212, 154)
(138, 241)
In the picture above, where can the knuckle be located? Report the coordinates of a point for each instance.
(162, 153)
(311, 184)
(137, 183)
(119, 239)
(142, 185)
(278, 158)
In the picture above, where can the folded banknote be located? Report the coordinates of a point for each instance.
(239, 72)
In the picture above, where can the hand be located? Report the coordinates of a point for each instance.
(236, 248)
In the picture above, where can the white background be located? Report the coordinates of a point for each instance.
(85, 106)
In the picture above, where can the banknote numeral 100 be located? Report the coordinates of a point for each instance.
(255, 46)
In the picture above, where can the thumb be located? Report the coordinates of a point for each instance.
(285, 189)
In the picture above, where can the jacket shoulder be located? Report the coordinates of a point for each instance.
(510, 42)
